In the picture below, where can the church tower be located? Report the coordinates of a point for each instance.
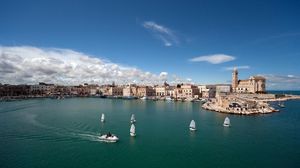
(235, 79)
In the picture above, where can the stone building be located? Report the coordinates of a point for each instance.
(186, 91)
(115, 91)
(207, 91)
(130, 90)
(145, 91)
(14, 90)
(41, 89)
(255, 84)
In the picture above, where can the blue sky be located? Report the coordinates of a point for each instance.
(261, 37)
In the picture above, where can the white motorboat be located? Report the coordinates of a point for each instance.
(102, 117)
(132, 130)
(193, 126)
(144, 98)
(168, 98)
(132, 119)
(226, 122)
(108, 137)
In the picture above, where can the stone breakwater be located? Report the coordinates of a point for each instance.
(234, 104)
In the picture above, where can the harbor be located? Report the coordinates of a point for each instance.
(37, 132)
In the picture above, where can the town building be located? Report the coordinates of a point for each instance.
(130, 91)
(207, 91)
(186, 91)
(223, 88)
(115, 91)
(14, 90)
(145, 91)
(41, 89)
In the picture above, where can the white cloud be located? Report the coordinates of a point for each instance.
(166, 35)
(282, 82)
(237, 67)
(26, 64)
(213, 59)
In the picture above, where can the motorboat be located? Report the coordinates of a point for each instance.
(226, 122)
(108, 137)
(168, 99)
(193, 126)
(144, 98)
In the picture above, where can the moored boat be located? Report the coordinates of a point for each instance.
(281, 104)
(144, 98)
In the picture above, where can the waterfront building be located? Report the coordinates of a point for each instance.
(171, 91)
(223, 88)
(255, 84)
(130, 90)
(164, 90)
(207, 91)
(115, 91)
(145, 91)
(186, 91)
(161, 91)
(14, 90)
(41, 89)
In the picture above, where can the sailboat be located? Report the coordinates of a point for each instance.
(193, 126)
(132, 119)
(132, 130)
(102, 117)
(226, 122)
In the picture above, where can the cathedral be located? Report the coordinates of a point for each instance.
(255, 84)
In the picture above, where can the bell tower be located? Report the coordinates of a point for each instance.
(235, 79)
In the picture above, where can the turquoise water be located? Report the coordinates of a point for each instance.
(63, 133)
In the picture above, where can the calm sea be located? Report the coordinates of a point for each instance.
(63, 133)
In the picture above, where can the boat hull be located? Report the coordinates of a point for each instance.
(193, 129)
(132, 134)
(110, 139)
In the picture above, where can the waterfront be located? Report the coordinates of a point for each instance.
(63, 133)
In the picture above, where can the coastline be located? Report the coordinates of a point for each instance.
(263, 106)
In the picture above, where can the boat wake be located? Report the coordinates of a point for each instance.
(62, 134)
(88, 137)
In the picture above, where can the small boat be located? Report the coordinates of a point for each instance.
(102, 117)
(193, 126)
(132, 130)
(108, 137)
(129, 97)
(168, 99)
(280, 104)
(144, 98)
(226, 122)
(132, 119)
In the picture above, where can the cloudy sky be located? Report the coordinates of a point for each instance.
(71, 42)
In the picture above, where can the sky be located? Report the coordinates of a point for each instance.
(77, 41)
